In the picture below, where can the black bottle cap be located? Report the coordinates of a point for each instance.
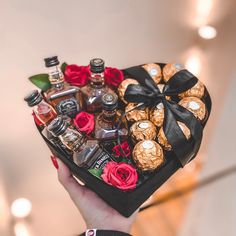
(97, 65)
(109, 101)
(51, 61)
(33, 98)
(57, 126)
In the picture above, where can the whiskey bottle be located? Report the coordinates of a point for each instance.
(66, 99)
(44, 111)
(86, 153)
(107, 121)
(96, 87)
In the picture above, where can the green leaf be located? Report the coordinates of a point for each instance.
(41, 81)
(96, 172)
(125, 160)
(63, 67)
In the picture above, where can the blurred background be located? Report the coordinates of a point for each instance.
(124, 33)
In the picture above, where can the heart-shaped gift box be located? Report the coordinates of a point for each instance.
(182, 152)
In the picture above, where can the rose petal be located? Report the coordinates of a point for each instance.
(120, 175)
(84, 122)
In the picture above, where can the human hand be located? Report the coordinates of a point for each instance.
(96, 213)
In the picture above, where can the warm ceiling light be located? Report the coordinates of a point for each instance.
(203, 10)
(193, 64)
(207, 32)
(21, 207)
(20, 229)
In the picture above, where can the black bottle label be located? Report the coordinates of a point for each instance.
(101, 160)
(69, 107)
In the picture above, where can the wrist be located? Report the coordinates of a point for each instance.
(102, 232)
(121, 228)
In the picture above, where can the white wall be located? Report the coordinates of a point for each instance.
(124, 33)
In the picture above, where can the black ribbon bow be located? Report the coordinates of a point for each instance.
(148, 93)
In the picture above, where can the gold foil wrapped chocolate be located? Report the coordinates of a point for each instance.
(123, 86)
(157, 115)
(136, 114)
(163, 140)
(142, 130)
(196, 91)
(154, 71)
(148, 155)
(195, 105)
(170, 69)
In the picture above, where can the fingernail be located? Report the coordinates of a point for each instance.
(54, 161)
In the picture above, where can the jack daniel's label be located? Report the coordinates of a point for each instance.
(102, 159)
(69, 107)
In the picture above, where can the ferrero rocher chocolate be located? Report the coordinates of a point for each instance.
(157, 115)
(136, 114)
(154, 71)
(196, 91)
(148, 155)
(163, 140)
(142, 130)
(195, 105)
(123, 86)
(170, 69)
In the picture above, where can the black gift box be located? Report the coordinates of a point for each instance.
(127, 202)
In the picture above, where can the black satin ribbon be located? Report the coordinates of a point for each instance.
(148, 93)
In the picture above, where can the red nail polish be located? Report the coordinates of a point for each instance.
(54, 161)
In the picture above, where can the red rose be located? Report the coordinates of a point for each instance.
(113, 76)
(77, 75)
(120, 175)
(84, 122)
(125, 147)
(36, 120)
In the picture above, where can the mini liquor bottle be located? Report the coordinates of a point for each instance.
(107, 121)
(44, 111)
(86, 153)
(96, 87)
(66, 99)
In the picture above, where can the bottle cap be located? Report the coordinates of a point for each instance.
(57, 126)
(109, 101)
(33, 98)
(51, 61)
(97, 65)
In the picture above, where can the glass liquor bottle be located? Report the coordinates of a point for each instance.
(44, 111)
(96, 87)
(107, 121)
(86, 153)
(66, 99)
